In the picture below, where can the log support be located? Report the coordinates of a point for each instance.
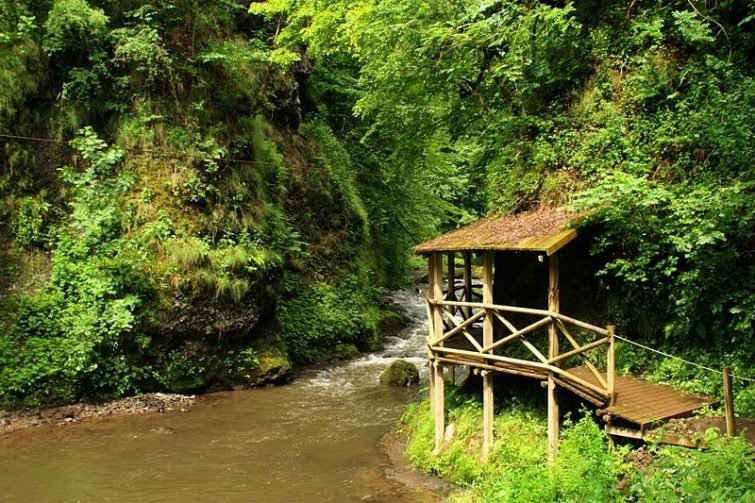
(553, 306)
(731, 425)
(487, 340)
(439, 400)
(437, 392)
(611, 368)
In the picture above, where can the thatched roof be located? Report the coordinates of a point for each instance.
(543, 230)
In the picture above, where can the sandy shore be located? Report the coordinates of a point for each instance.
(152, 403)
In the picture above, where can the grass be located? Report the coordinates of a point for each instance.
(585, 470)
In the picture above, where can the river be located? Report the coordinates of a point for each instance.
(317, 439)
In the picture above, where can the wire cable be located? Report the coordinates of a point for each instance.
(668, 355)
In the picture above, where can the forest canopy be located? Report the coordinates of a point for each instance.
(253, 158)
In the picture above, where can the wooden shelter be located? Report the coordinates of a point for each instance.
(468, 328)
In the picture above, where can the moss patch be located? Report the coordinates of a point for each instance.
(274, 367)
(400, 373)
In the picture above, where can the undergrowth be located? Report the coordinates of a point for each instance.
(585, 469)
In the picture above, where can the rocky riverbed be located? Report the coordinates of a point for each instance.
(151, 403)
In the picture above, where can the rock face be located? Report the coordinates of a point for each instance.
(209, 316)
(400, 373)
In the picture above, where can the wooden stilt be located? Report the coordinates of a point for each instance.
(553, 306)
(440, 426)
(436, 274)
(487, 340)
(431, 381)
(431, 336)
(611, 367)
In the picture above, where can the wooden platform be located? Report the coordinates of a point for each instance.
(639, 403)
(643, 403)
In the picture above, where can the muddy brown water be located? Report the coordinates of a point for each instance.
(315, 440)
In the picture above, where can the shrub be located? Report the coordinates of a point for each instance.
(324, 316)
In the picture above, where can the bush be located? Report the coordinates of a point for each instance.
(324, 316)
(585, 470)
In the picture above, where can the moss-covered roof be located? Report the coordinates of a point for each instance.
(543, 230)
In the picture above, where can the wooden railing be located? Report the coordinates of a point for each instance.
(484, 356)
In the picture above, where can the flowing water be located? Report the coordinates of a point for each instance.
(315, 440)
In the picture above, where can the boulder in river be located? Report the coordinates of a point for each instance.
(400, 373)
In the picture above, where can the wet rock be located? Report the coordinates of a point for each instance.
(274, 367)
(391, 323)
(400, 373)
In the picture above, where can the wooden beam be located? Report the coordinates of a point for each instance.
(553, 306)
(579, 350)
(436, 280)
(529, 328)
(451, 276)
(468, 280)
(585, 359)
(496, 368)
(458, 327)
(527, 310)
(487, 340)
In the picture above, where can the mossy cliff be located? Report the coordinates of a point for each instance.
(204, 228)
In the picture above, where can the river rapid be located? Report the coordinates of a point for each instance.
(317, 439)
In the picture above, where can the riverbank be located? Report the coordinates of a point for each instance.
(586, 469)
(150, 403)
(434, 489)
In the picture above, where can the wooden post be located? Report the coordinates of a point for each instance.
(611, 367)
(451, 277)
(437, 369)
(431, 321)
(731, 427)
(439, 414)
(468, 280)
(487, 339)
(553, 306)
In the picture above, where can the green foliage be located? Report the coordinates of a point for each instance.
(642, 113)
(321, 317)
(214, 193)
(725, 472)
(585, 470)
(67, 342)
(141, 48)
(74, 25)
(314, 141)
(28, 223)
(19, 57)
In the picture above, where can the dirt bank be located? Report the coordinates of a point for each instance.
(431, 489)
(143, 404)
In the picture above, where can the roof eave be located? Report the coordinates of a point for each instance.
(548, 245)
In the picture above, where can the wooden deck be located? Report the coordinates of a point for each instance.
(644, 403)
(640, 403)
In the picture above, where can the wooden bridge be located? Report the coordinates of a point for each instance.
(467, 328)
